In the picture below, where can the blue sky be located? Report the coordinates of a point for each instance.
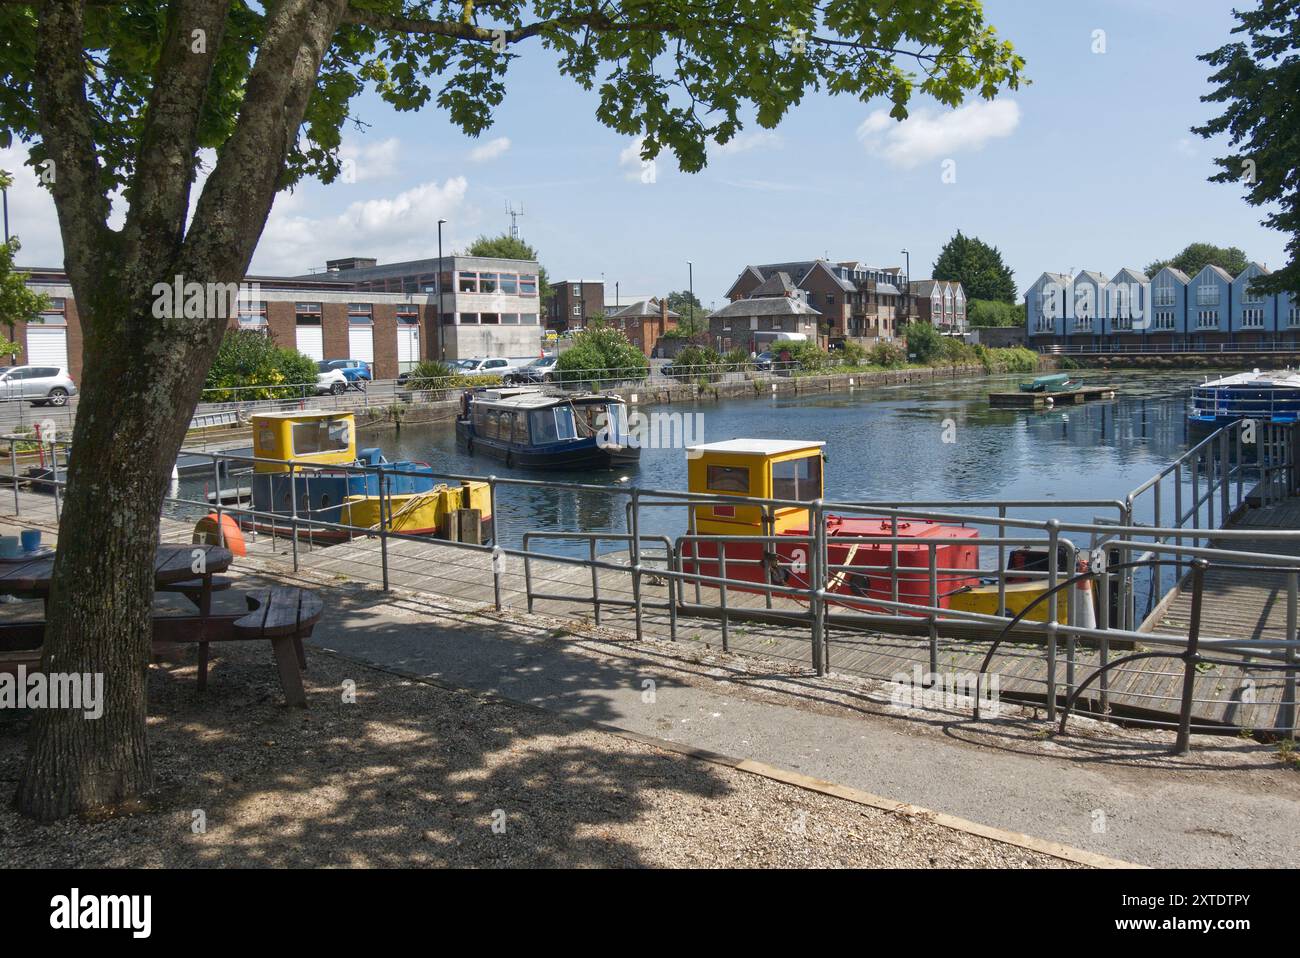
(1091, 166)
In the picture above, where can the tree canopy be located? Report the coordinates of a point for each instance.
(978, 267)
(1257, 81)
(1196, 256)
(506, 246)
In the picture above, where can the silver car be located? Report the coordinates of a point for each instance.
(42, 385)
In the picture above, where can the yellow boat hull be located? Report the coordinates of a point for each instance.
(984, 599)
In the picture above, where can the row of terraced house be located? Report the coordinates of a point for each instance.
(1169, 310)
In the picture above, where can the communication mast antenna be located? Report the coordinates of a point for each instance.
(514, 215)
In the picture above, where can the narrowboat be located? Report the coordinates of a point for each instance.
(1055, 383)
(792, 470)
(523, 427)
(1266, 396)
(412, 502)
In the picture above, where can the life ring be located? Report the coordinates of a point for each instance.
(206, 532)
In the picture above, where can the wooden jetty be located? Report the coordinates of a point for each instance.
(1070, 397)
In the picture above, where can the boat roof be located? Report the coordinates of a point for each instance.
(305, 414)
(1280, 377)
(526, 398)
(755, 447)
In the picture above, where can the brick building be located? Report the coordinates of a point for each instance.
(856, 301)
(573, 302)
(644, 322)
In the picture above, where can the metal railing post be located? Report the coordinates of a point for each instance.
(385, 511)
(817, 583)
(216, 501)
(1182, 744)
(1103, 623)
(293, 518)
(595, 581)
(13, 471)
(1053, 576)
(636, 559)
(54, 482)
(722, 595)
(933, 571)
(1286, 711)
(1225, 480)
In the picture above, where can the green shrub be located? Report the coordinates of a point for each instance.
(431, 374)
(736, 359)
(924, 342)
(698, 363)
(888, 355)
(988, 312)
(599, 354)
(250, 358)
(810, 357)
(853, 354)
(1016, 359)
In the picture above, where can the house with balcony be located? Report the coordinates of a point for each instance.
(1046, 305)
(1168, 308)
(1088, 304)
(857, 301)
(1252, 316)
(941, 303)
(1209, 306)
(1127, 304)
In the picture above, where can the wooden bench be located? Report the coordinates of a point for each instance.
(282, 615)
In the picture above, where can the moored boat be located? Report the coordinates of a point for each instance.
(411, 501)
(1055, 383)
(526, 428)
(859, 562)
(1265, 396)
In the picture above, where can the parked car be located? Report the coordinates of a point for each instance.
(538, 371)
(43, 385)
(354, 369)
(492, 367)
(330, 380)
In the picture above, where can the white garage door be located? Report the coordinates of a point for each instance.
(408, 347)
(311, 342)
(361, 343)
(47, 346)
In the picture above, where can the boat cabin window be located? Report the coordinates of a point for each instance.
(553, 425)
(797, 478)
(728, 479)
(320, 435)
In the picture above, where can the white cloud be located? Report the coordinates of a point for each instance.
(370, 161)
(490, 150)
(1186, 146)
(746, 142)
(629, 159)
(930, 134)
(391, 229)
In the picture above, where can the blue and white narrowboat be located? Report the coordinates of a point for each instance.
(523, 427)
(1265, 396)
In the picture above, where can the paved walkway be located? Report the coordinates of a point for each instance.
(1227, 805)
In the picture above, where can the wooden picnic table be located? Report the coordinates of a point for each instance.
(283, 616)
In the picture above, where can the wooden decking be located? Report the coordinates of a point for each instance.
(1071, 397)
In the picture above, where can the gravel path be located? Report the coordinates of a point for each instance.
(414, 775)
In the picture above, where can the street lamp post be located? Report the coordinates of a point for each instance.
(690, 290)
(437, 287)
(907, 286)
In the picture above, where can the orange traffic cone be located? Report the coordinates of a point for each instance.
(1082, 613)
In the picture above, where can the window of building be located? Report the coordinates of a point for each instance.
(467, 282)
(408, 313)
(509, 319)
(55, 314)
(510, 283)
(490, 319)
(1293, 319)
(527, 319)
(1207, 294)
(307, 313)
(577, 311)
(1252, 318)
(252, 314)
(527, 285)
(488, 283)
(469, 319)
(1207, 319)
(360, 314)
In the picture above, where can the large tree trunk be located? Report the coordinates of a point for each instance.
(143, 375)
(127, 435)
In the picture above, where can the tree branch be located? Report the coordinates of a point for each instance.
(237, 197)
(67, 135)
(164, 168)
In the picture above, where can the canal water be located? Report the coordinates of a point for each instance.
(935, 441)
